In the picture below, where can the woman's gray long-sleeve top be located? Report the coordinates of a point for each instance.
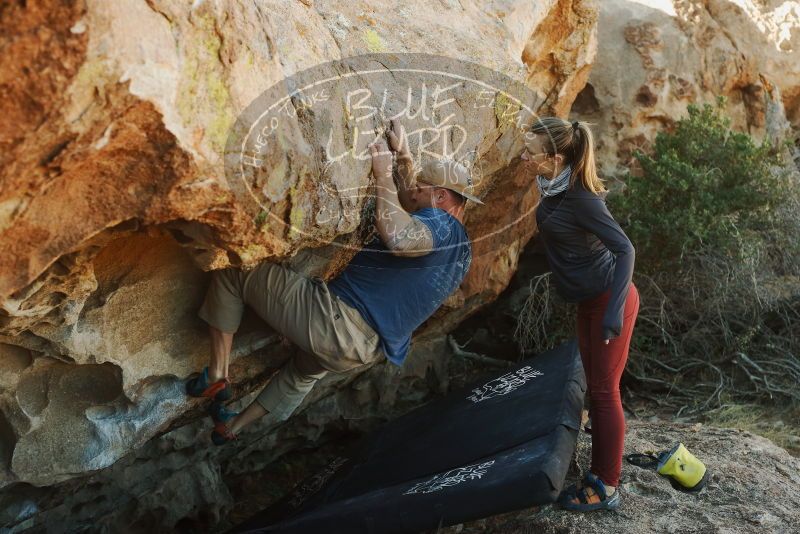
(587, 251)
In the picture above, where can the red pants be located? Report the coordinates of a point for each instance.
(603, 365)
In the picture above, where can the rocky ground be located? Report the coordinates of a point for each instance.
(754, 487)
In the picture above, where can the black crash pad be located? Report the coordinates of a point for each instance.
(502, 444)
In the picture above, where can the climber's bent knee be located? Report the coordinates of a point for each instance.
(287, 389)
(223, 306)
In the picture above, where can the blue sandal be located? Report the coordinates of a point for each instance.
(592, 496)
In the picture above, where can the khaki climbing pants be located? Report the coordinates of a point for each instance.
(332, 336)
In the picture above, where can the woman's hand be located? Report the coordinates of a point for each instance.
(610, 332)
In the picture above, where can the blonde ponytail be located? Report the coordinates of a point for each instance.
(576, 143)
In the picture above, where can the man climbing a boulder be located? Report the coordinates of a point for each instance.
(396, 282)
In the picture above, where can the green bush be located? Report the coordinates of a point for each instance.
(714, 219)
(704, 186)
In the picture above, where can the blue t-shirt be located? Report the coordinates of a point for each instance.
(396, 294)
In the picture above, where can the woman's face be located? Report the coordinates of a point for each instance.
(536, 158)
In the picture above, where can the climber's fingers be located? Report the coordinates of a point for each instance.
(381, 159)
(394, 141)
(397, 136)
(379, 148)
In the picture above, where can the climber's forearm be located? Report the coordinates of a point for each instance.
(405, 172)
(403, 234)
(389, 214)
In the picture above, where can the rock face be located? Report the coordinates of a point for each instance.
(655, 57)
(178, 482)
(115, 202)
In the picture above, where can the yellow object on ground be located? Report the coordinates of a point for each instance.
(682, 467)
(683, 470)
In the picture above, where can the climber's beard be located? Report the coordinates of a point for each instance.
(419, 199)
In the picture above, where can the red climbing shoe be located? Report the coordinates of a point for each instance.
(199, 387)
(222, 434)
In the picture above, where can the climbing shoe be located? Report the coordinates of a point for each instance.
(220, 413)
(199, 386)
(222, 434)
(592, 496)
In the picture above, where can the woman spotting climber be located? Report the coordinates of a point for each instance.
(592, 263)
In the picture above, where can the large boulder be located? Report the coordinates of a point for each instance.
(655, 57)
(116, 203)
